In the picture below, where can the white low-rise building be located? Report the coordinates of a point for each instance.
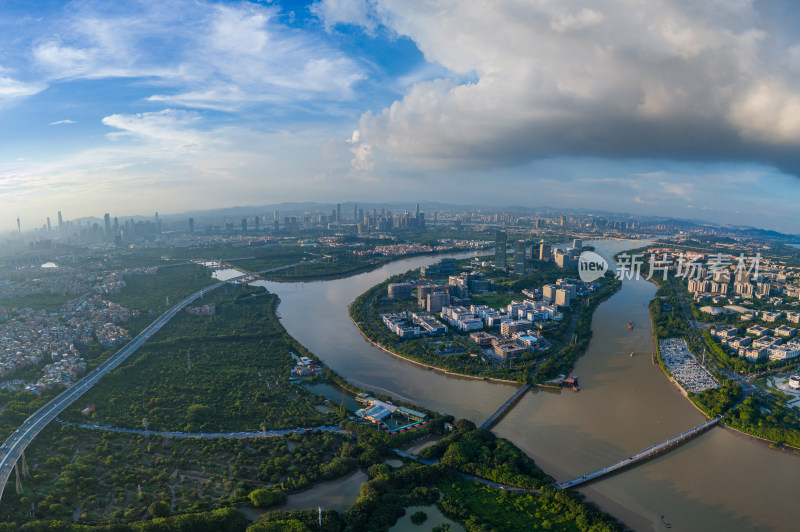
(783, 352)
(786, 331)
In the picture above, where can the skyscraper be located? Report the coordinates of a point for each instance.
(19, 226)
(60, 222)
(244, 224)
(520, 257)
(355, 212)
(544, 251)
(339, 212)
(191, 225)
(107, 223)
(48, 224)
(500, 243)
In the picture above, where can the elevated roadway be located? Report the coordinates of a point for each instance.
(15, 445)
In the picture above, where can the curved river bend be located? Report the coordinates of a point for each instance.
(718, 481)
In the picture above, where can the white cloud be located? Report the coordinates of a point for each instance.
(172, 130)
(356, 12)
(12, 89)
(671, 79)
(768, 112)
(62, 122)
(564, 21)
(199, 54)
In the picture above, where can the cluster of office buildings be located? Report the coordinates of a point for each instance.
(566, 258)
(409, 325)
(519, 324)
(760, 343)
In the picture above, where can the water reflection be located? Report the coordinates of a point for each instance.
(719, 481)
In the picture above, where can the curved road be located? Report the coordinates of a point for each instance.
(211, 435)
(15, 445)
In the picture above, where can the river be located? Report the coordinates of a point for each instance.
(718, 481)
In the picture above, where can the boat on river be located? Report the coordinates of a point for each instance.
(630, 325)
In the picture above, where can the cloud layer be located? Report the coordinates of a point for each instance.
(669, 79)
(199, 54)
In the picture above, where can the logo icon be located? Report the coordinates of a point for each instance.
(591, 266)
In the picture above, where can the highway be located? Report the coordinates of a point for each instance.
(15, 445)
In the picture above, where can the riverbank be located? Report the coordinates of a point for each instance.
(569, 434)
(665, 371)
(364, 268)
(773, 444)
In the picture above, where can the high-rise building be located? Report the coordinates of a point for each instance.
(437, 300)
(339, 212)
(19, 226)
(244, 224)
(255, 221)
(520, 257)
(107, 223)
(60, 222)
(48, 224)
(577, 243)
(500, 244)
(355, 212)
(562, 298)
(544, 251)
(191, 225)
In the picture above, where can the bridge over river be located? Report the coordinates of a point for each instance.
(641, 455)
(504, 407)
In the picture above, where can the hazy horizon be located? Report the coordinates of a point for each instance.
(671, 109)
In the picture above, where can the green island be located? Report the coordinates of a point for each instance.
(125, 465)
(747, 396)
(456, 352)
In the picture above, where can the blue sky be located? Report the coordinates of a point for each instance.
(670, 107)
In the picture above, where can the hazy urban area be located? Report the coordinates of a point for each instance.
(367, 265)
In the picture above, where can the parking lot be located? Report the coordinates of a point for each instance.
(684, 367)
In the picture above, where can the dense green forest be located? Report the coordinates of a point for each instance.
(231, 372)
(100, 475)
(228, 372)
(156, 293)
(479, 452)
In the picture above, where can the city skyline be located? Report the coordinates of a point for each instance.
(674, 110)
